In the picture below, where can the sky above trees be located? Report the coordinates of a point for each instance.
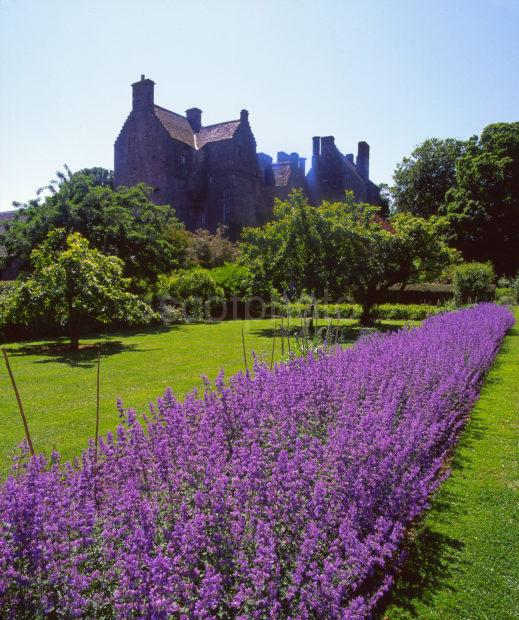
(392, 73)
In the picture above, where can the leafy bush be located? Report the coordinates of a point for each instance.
(186, 283)
(194, 289)
(283, 494)
(515, 289)
(235, 281)
(6, 287)
(400, 312)
(471, 282)
(505, 295)
(211, 250)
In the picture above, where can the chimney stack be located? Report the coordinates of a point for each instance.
(194, 118)
(143, 94)
(363, 160)
(244, 116)
(316, 146)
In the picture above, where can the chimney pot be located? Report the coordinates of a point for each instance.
(194, 117)
(143, 94)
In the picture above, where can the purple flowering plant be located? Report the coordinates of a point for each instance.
(283, 494)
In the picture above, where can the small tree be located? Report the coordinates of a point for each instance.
(71, 282)
(471, 281)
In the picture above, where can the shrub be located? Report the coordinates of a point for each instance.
(283, 494)
(6, 286)
(400, 312)
(186, 283)
(471, 282)
(515, 289)
(211, 250)
(505, 295)
(235, 281)
(195, 290)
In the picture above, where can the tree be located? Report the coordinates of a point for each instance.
(407, 249)
(346, 247)
(211, 250)
(422, 180)
(484, 204)
(71, 282)
(289, 250)
(122, 222)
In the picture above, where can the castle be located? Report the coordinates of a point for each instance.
(213, 174)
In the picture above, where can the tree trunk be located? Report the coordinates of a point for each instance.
(366, 318)
(73, 329)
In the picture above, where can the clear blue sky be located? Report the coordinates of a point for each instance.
(389, 72)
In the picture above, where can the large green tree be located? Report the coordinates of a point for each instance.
(422, 180)
(71, 282)
(122, 222)
(484, 204)
(346, 247)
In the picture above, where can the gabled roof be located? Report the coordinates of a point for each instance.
(213, 133)
(176, 125)
(178, 128)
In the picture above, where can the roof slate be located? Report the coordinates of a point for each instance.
(214, 133)
(178, 127)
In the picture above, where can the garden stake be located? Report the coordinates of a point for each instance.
(288, 333)
(244, 354)
(97, 402)
(282, 336)
(273, 345)
(20, 407)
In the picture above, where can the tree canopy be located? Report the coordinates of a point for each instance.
(122, 222)
(422, 180)
(484, 203)
(71, 282)
(346, 247)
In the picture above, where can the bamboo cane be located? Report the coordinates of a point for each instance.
(244, 353)
(20, 406)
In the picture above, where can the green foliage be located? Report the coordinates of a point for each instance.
(71, 282)
(422, 180)
(505, 295)
(125, 223)
(484, 204)
(235, 281)
(185, 283)
(471, 282)
(346, 247)
(211, 250)
(6, 286)
(398, 312)
(515, 288)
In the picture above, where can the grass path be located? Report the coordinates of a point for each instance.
(464, 560)
(58, 388)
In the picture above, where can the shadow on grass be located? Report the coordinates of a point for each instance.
(57, 352)
(348, 333)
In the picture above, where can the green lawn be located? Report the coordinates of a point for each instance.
(58, 388)
(464, 559)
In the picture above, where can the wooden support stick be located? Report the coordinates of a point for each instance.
(273, 345)
(97, 401)
(20, 407)
(244, 353)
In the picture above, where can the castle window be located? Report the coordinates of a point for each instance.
(182, 165)
(226, 206)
